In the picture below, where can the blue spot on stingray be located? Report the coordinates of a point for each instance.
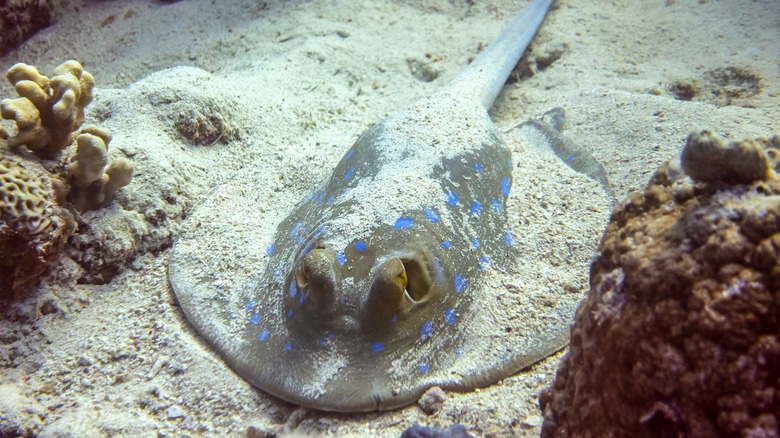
(476, 208)
(508, 239)
(343, 299)
(254, 319)
(292, 290)
(495, 204)
(360, 246)
(289, 313)
(377, 347)
(287, 346)
(323, 340)
(270, 249)
(431, 215)
(250, 304)
(263, 335)
(438, 271)
(298, 239)
(475, 243)
(307, 249)
(321, 197)
(300, 298)
(295, 228)
(348, 174)
(330, 200)
(426, 330)
(445, 244)
(458, 351)
(505, 186)
(452, 199)
(340, 258)
(460, 283)
(477, 167)
(466, 172)
(570, 158)
(483, 261)
(403, 223)
(449, 316)
(349, 154)
(423, 367)
(393, 318)
(319, 231)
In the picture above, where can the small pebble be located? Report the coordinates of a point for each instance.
(417, 431)
(156, 367)
(175, 412)
(84, 361)
(432, 400)
(532, 421)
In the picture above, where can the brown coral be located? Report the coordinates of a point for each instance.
(33, 226)
(49, 111)
(680, 333)
(94, 180)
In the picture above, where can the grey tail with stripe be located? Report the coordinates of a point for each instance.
(485, 76)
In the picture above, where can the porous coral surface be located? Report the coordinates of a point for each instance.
(680, 333)
(33, 226)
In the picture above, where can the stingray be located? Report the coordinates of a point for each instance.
(370, 290)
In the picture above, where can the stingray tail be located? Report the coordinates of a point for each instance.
(485, 76)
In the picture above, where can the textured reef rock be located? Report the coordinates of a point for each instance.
(39, 195)
(33, 225)
(680, 333)
(20, 19)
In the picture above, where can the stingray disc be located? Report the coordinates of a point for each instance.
(405, 268)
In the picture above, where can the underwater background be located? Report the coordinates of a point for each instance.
(197, 92)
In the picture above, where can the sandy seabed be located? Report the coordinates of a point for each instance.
(197, 91)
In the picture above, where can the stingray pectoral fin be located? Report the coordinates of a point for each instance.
(545, 133)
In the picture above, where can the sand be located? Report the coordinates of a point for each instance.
(197, 92)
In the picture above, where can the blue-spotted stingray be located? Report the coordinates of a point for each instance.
(366, 294)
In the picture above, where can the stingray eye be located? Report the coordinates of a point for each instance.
(302, 276)
(398, 285)
(316, 270)
(418, 280)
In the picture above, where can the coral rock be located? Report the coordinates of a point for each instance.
(33, 226)
(49, 111)
(20, 19)
(680, 333)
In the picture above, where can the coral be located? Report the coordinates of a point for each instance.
(49, 111)
(34, 227)
(94, 181)
(680, 333)
(20, 19)
(707, 157)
